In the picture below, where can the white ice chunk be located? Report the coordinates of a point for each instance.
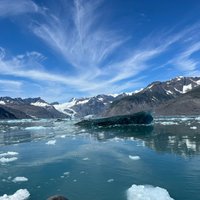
(169, 123)
(193, 127)
(7, 160)
(85, 159)
(20, 179)
(110, 180)
(9, 153)
(147, 192)
(51, 142)
(134, 157)
(66, 173)
(35, 128)
(21, 194)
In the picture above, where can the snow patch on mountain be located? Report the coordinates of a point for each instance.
(40, 104)
(187, 88)
(2, 102)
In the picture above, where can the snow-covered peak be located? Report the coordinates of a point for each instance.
(2, 103)
(187, 88)
(40, 104)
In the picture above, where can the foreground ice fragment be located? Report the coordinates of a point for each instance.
(147, 192)
(21, 194)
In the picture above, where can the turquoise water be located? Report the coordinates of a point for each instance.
(57, 157)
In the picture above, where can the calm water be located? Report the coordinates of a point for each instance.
(100, 164)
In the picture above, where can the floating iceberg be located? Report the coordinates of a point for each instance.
(193, 127)
(134, 157)
(7, 160)
(9, 153)
(51, 142)
(20, 179)
(21, 194)
(144, 192)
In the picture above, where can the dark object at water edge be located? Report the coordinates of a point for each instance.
(135, 119)
(57, 197)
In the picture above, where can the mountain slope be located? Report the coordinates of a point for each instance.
(86, 106)
(186, 104)
(29, 108)
(152, 96)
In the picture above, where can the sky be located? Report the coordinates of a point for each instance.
(79, 48)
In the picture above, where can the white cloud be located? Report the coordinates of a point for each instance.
(17, 7)
(78, 34)
(185, 62)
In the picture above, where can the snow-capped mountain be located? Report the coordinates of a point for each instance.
(153, 95)
(86, 106)
(28, 108)
(151, 98)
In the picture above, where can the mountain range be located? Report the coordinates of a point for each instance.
(178, 96)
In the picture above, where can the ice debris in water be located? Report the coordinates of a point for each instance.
(7, 160)
(9, 153)
(51, 142)
(169, 123)
(134, 157)
(63, 136)
(85, 159)
(193, 127)
(110, 180)
(20, 179)
(144, 192)
(66, 173)
(21, 194)
(35, 128)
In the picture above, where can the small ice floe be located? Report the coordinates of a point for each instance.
(63, 136)
(20, 179)
(51, 142)
(82, 172)
(74, 180)
(66, 173)
(9, 153)
(7, 160)
(134, 157)
(62, 176)
(144, 192)
(193, 127)
(110, 180)
(85, 159)
(101, 136)
(21, 194)
(169, 123)
(35, 128)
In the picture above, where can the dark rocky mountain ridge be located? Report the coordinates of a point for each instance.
(28, 108)
(153, 96)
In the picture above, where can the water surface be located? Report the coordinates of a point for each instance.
(57, 157)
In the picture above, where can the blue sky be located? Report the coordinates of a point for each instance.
(75, 48)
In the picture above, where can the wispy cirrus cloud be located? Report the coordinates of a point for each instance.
(10, 8)
(98, 54)
(184, 61)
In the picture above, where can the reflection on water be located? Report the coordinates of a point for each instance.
(173, 135)
(100, 163)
